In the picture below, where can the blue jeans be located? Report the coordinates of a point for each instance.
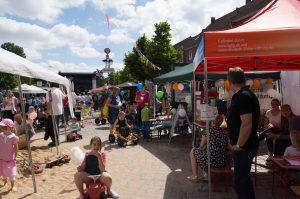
(263, 135)
(242, 184)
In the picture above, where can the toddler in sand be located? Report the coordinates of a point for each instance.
(8, 152)
(94, 163)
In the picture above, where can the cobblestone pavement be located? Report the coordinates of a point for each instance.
(154, 170)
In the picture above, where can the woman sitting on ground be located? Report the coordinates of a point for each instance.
(272, 124)
(218, 148)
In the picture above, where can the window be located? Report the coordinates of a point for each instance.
(190, 54)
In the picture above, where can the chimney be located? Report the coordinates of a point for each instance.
(212, 20)
(248, 1)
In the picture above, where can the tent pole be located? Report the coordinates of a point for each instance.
(55, 128)
(154, 105)
(27, 135)
(207, 127)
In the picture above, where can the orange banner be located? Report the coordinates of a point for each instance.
(237, 44)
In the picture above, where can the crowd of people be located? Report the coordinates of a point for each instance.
(237, 134)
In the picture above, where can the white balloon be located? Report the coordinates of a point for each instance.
(181, 112)
(180, 86)
(173, 111)
(77, 155)
(188, 99)
(249, 82)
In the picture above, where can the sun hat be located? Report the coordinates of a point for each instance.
(7, 122)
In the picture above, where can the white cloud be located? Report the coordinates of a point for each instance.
(43, 10)
(32, 54)
(36, 38)
(118, 36)
(57, 66)
(187, 18)
(87, 52)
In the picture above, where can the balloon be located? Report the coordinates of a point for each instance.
(227, 84)
(249, 82)
(256, 84)
(180, 87)
(188, 99)
(175, 86)
(268, 81)
(139, 86)
(122, 93)
(181, 112)
(77, 155)
(173, 111)
(159, 94)
(3, 91)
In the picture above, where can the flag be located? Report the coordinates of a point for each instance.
(107, 20)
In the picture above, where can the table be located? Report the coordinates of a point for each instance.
(284, 168)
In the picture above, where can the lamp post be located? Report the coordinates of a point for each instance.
(108, 62)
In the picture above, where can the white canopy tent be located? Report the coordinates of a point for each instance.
(30, 89)
(16, 65)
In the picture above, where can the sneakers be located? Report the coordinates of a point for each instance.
(113, 194)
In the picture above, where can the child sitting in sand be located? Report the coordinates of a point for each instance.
(73, 134)
(94, 163)
(8, 152)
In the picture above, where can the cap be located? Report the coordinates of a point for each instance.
(7, 122)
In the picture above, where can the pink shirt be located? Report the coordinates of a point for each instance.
(142, 96)
(6, 146)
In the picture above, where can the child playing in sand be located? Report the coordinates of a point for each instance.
(8, 152)
(294, 149)
(73, 134)
(94, 163)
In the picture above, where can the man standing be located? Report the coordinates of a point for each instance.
(243, 121)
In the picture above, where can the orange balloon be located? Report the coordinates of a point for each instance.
(256, 84)
(227, 84)
(175, 86)
(268, 81)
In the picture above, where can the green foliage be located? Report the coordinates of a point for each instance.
(11, 47)
(101, 80)
(113, 78)
(10, 81)
(158, 51)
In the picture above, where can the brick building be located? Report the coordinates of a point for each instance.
(230, 20)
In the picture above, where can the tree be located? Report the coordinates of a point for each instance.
(100, 79)
(133, 63)
(157, 51)
(9, 81)
(160, 51)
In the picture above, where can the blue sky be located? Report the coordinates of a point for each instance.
(70, 35)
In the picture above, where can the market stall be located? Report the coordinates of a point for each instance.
(267, 41)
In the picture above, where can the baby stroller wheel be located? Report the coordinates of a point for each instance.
(120, 142)
(103, 121)
(97, 121)
(112, 138)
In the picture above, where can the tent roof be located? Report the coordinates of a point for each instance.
(267, 41)
(30, 89)
(186, 74)
(127, 85)
(180, 74)
(14, 64)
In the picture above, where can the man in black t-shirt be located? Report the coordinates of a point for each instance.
(242, 121)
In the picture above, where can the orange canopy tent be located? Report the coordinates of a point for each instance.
(270, 40)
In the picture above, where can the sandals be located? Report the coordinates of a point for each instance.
(193, 179)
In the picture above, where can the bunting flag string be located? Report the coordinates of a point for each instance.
(143, 57)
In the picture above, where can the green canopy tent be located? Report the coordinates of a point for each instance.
(185, 73)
